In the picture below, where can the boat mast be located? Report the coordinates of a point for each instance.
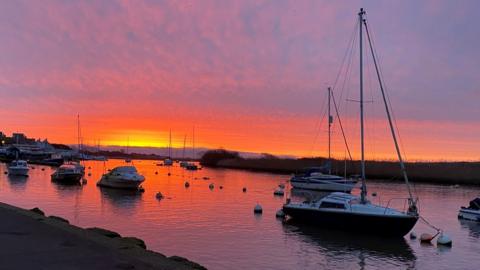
(78, 135)
(170, 145)
(193, 143)
(412, 202)
(184, 141)
(364, 186)
(330, 120)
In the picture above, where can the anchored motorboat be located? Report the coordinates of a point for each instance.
(472, 212)
(18, 167)
(123, 177)
(68, 173)
(348, 212)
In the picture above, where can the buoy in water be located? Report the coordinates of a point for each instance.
(211, 186)
(187, 184)
(43, 169)
(84, 181)
(374, 194)
(159, 195)
(257, 209)
(278, 192)
(156, 172)
(280, 214)
(169, 174)
(89, 174)
(444, 240)
(244, 189)
(206, 178)
(89, 167)
(33, 168)
(281, 186)
(220, 187)
(5, 172)
(413, 235)
(426, 238)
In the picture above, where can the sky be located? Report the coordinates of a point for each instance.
(247, 75)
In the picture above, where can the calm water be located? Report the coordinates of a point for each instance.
(218, 229)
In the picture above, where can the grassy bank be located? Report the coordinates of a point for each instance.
(431, 172)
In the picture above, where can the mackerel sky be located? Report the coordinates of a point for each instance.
(249, 75)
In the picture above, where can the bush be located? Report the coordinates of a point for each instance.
(212, 157)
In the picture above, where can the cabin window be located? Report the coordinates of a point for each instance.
(332, 205)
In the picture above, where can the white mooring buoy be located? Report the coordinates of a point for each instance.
(279, 192)
(444, 240)
(257, 209)
(280, 214)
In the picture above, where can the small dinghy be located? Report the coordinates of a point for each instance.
(472, 212)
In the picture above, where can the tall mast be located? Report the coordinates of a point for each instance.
(170, 145)
(330, 121)
(78, 132)
(362, 138)
(193, 143)
(412, 202)
(184, 141)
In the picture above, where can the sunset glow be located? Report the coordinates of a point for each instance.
(247, 75)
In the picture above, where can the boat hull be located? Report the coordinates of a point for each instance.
(73, 178)
(119, 183)
(382, 225)
(326, 185)
(469, 214)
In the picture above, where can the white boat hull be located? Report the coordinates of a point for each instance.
(469, 214)
(18, 171)
(121, 183)
(325, 185)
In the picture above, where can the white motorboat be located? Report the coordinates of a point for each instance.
(348, 212)
(69, 173)
(18, 167)
(472, 212)
(123, 177)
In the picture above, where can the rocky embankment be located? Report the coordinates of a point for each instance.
(32, 240)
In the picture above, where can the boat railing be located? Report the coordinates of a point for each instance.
(405, 203)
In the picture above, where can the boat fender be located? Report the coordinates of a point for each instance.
(426, 238)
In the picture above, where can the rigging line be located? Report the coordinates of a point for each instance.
(341, 126)
(318, 126)
(348, 69)
(352, 38)
(412, 202)
(388, 96)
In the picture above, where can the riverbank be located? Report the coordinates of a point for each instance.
(31, 240)
(448, 173)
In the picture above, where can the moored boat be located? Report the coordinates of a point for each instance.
(314, 179)
(122, 177)
(348, 212)
(18, 167)
(68, 173)
(472, 212)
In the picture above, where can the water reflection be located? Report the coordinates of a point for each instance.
(17, 182)
(472, 227)
(364, 249)
(120, 199)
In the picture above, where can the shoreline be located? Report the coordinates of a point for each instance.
(441, 173)
(33, 240)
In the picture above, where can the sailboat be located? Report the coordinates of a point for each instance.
(191, 166)
(348, 212)
(168, 161)
(315, 178)
(184, 163)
